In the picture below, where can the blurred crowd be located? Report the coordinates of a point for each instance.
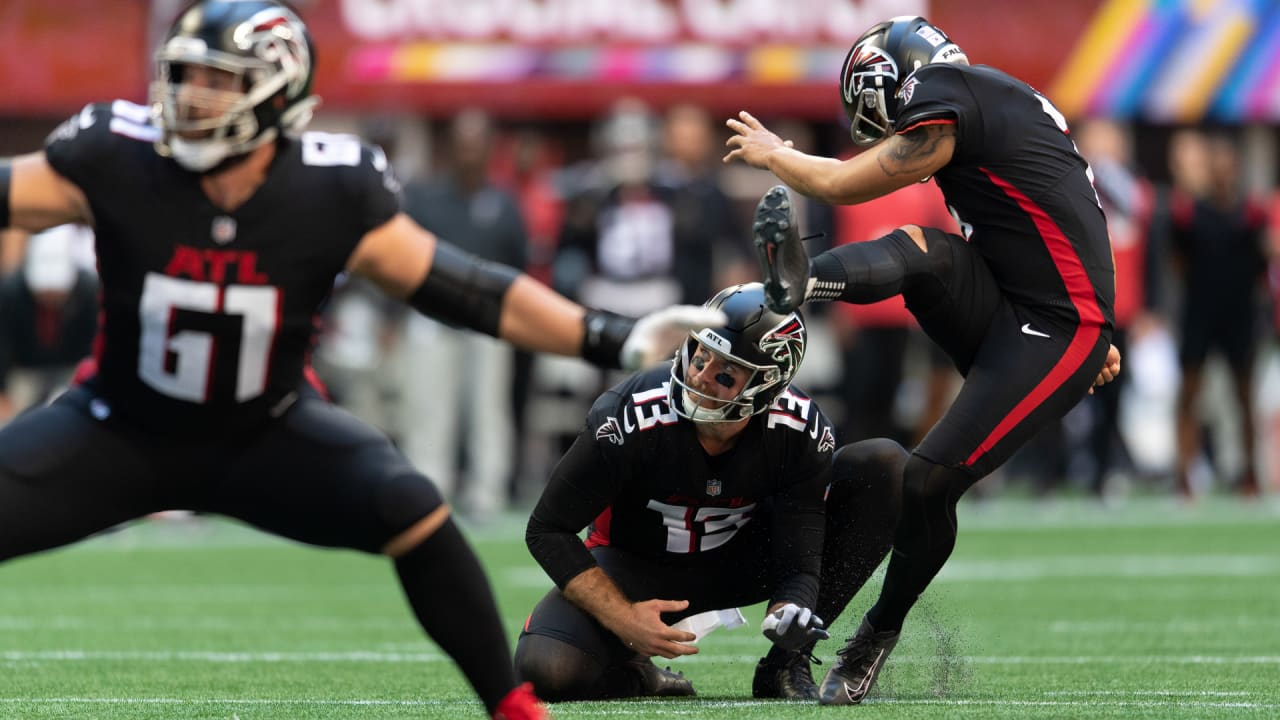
(637, 212)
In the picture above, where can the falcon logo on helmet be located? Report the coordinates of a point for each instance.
(786, 343)
(883, 57)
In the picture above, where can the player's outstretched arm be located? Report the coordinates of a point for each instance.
(447, 283)
(34, 197)
(895, 163)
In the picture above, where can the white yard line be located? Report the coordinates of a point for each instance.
(645, 707)
(369, 656)
(357, 656)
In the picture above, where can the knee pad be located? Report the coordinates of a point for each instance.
(559, 671)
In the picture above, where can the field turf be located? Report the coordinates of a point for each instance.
(1047, 610)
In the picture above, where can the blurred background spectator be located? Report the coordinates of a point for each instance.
(48, 317)
(465, 423)
(1218, 241)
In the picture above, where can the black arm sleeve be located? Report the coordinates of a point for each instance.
(799, 529)
(8, 327)
(464, 289)
(581, 487)
(6, 172)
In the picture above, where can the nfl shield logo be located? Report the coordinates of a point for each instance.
(223, 230)
(713, 487)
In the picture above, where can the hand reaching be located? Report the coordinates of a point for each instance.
(656, 335)
(752, 142)
(792, 627)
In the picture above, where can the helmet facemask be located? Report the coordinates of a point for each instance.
(869, 84)
(270, 67)
(702, 407)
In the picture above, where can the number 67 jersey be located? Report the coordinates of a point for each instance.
(208, 316)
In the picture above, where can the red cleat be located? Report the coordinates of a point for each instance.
(521, 704)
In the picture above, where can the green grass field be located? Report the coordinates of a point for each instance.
(1066, 609)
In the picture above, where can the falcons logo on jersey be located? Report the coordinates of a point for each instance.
(610, 431)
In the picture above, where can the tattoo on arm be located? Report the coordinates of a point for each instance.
(913, 152)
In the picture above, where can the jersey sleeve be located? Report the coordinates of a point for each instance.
(799, 524)
(937, 94)
(581, 486)
(375, 188)
(79, 148)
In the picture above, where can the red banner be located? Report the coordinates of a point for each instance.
(536, 58)
(58, 55)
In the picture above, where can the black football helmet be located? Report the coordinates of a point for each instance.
(769, 345)
(877, 65)
(262, 43)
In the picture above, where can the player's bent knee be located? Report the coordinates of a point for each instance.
(876, 455)
(413, 508)
(559, 671)
(870, 472)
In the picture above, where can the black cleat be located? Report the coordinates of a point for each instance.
(857, 666)
(790, 679)
(784, 263)
(653, 681)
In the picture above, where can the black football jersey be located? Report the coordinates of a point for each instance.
(1018, 188)
(208, 316)
(642, 480)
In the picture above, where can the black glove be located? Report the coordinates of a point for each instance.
(792, 627)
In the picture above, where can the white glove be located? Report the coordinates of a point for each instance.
(791, 627)
(655, 336)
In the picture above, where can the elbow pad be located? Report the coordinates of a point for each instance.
(464, 289)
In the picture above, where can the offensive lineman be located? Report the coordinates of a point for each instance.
(1022, 302)
(220, 230)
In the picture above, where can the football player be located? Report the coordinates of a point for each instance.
(221, 227)
(1021, 301)
(706, 485)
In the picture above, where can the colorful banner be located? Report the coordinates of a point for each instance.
(1166, 60)
(1176, 61)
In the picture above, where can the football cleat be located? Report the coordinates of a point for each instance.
(521, 704)
(858, 664)
(659, 682)
(784, 263)
(790, 679)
